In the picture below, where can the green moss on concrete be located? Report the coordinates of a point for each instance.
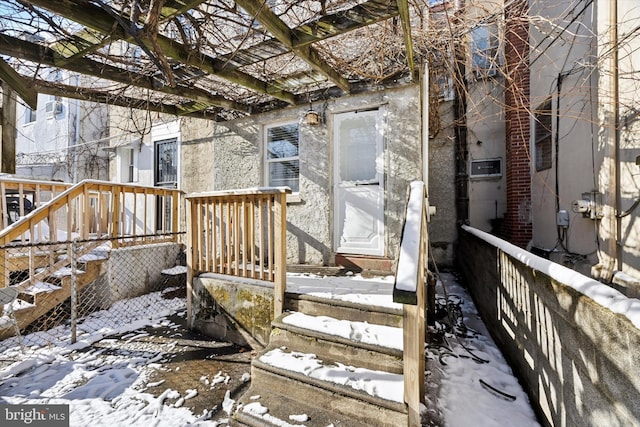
(246, 307)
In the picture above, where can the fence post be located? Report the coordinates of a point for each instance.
(190, 259)
(5, 271)
(74, 295)
(280, 265)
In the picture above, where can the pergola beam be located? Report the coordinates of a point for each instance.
(86, 41)
(403, 8)
(39, 54)
(85, 13)
(102, 97)
(283, 33)
(19, 84)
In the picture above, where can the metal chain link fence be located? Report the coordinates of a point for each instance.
(83, 290)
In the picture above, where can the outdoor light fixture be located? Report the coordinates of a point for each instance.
(312, 118)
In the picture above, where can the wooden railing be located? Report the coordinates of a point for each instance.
(240, 233)
(90, 211)
(409, 290)
(18, 197)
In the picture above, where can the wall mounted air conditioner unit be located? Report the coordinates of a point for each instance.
(52, 108)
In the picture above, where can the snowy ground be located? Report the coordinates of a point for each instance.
(468, 383)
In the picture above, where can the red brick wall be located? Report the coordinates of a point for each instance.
(517, 225)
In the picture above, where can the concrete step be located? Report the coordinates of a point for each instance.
(346, 310)
(325, 392)
(340, 341)
(267, 410)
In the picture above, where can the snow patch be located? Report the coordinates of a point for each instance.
(383, 336)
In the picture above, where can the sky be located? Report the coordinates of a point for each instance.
(112, 389)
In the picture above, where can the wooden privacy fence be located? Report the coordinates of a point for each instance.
(240, 233)
(92, 212)
(409, 290)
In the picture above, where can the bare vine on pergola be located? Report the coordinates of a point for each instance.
(224, 59)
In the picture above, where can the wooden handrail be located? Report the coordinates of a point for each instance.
(125, 214)
(240, 233)
(409, 290)
(40, 192)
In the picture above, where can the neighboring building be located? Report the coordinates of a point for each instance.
(61, 139)
(565, 178)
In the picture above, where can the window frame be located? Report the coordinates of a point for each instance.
(128, 164)
(543, 135)
(30, 115)
(270, 161)
(486, 50)
(156, 164)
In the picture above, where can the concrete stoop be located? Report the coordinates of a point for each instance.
(282, 396)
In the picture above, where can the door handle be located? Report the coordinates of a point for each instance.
(367, 183)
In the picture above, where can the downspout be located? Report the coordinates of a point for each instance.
(76, 131)
(616, 130)
(557, 159)
(461, 148)
(424, 95)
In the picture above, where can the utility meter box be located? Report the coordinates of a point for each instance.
(562, 219)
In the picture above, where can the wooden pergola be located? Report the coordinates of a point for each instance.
(212, 59)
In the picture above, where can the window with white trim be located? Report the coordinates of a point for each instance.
(543, 136)
(282, 156)
(166, 162)
(486, 56)
(29, 115)
(128, 164)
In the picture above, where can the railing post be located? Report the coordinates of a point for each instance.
(3, 205)
(5, 271)
(414, 337)
(190, 260)
(74, 293)
(409, 289)
(115, 216)
(175, 201)
(280, 264)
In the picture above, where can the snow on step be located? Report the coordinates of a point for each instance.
(40, 287)
(19, 304)
(175, 271)
(259, 411)
(65, 272)
(363, 332)
(380, 384)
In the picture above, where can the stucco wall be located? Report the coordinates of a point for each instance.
(442, 179)
(576, 358)
(486, 140)
(229, 155)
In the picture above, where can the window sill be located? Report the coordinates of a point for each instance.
(294, 198)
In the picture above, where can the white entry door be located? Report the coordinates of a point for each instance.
(359, 183)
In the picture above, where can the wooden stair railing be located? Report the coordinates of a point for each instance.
(239, 233)
(28, 194)
(89, 211)
(409, 290)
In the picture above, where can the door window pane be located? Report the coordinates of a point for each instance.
(358, 153)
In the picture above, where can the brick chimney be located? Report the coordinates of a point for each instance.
(517, 226)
